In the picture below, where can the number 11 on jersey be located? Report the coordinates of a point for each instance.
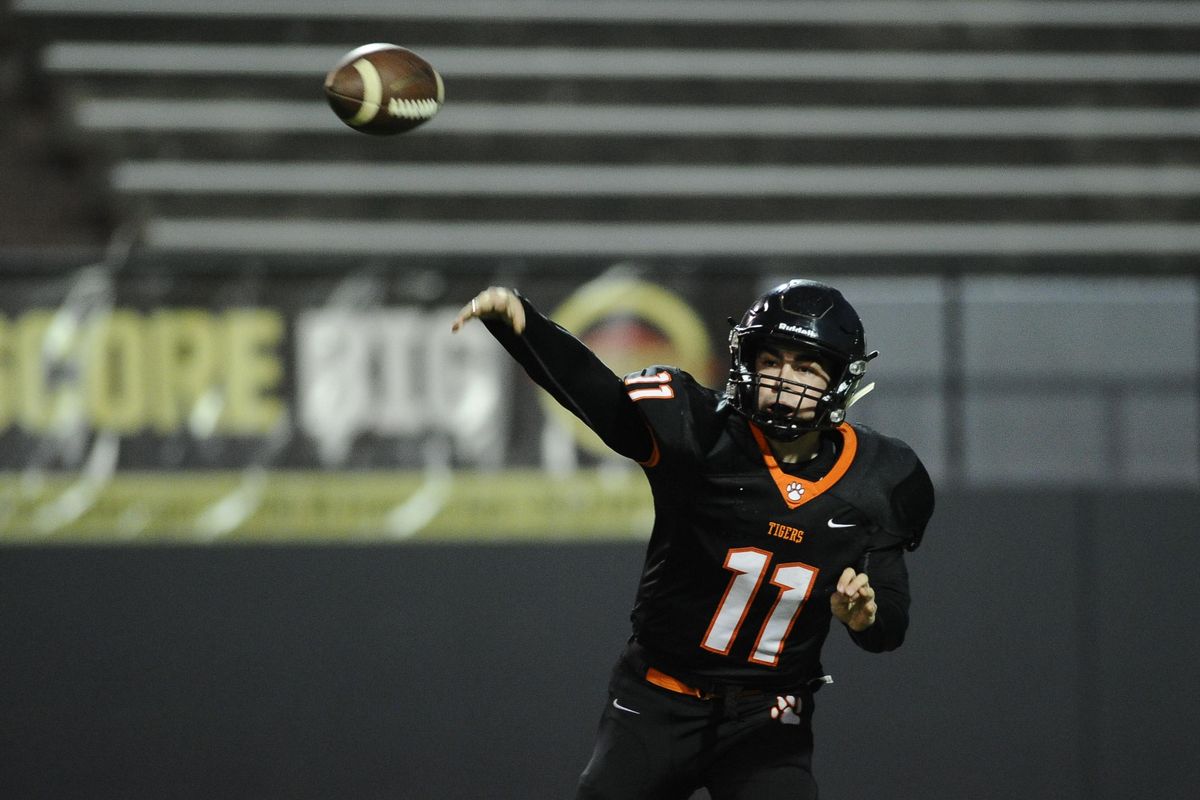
(749, 565)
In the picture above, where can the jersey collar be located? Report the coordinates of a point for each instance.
(797, 491)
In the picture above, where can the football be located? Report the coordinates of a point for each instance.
(383, 89)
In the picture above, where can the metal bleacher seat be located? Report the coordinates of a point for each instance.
(892, 132)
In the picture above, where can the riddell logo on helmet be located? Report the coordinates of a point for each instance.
(783, 326)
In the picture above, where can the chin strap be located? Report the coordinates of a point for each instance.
(859, 395)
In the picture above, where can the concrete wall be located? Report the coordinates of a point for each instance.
(1051, 655)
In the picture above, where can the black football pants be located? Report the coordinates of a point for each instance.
(656, 744)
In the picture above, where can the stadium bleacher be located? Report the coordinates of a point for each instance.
(51, 195)
(1017, 133)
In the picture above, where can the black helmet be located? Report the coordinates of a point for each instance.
(809, 317)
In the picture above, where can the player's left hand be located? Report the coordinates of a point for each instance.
(853, 602)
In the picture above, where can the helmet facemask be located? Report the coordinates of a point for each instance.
(808, 318)
(785, 421)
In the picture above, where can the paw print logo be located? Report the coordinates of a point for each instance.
(794, 492)
(786, 710)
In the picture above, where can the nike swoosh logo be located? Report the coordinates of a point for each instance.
(620, 707)
(833, 524)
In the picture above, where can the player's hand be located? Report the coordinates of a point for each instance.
(853, 602)
(494, 302)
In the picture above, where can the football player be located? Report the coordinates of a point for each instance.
(773, 517)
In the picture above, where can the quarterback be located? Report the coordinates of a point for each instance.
(774, 517)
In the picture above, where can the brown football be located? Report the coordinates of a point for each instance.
(383, 89)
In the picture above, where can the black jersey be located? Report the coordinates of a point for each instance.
(744, 556)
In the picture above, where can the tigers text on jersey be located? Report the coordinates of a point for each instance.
(744, 555)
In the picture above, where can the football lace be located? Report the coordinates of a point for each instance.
(412, 109)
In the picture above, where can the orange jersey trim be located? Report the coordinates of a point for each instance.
(665, 681)
(797, 491)
(655, 454)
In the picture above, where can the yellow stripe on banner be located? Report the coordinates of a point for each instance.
(312, 506)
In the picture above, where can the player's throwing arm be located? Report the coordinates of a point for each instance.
(494, 302)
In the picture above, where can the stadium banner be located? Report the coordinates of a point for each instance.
(254, 405)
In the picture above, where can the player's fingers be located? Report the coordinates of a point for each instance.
(465, 313)
(492, 301)
(516, 313)
(853, 588)
(505, 304)
(860, 586)
(839, 606)
(847, 576)
(477, 307)
(859, 612)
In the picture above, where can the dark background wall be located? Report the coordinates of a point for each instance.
(1051, 656)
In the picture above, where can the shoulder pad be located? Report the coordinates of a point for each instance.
(679, 410)
(912, 504)
(653, 383)
(892, 487)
